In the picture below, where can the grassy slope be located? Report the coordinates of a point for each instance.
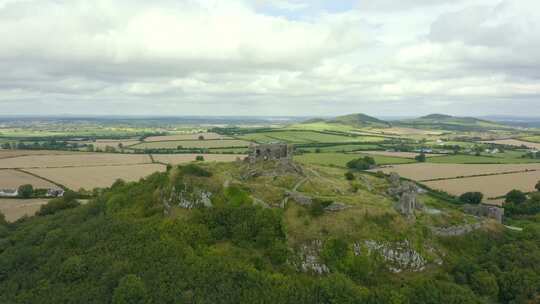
(340, 159)
(502, 158)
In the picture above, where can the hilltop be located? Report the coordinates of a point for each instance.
(452, 123)
(270, 232)
(360, 120)
(345, 122)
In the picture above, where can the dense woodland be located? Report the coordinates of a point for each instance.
(120, 248)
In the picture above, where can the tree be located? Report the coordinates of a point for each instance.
(485, 284)
(537, 187)
(26, 191)
(199, 158)
(349, 176)
(130, 290)
(201, 137)
(365, 163)
(421, 158)
(473, 198)
(3, 221)
(516, 197)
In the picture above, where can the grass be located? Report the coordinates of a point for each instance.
(535, 139)
(191, 144)
(342, 148)
(323, 126)
(341, 159)
(510, 157)
(305, 137)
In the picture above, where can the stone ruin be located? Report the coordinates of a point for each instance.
(489, 211)
(407, 194)
(265, 152)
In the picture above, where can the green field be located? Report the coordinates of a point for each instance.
(342, 148)
(323, 126)
(341, 159)
(535, 138)
(510, 157)
(305, 137)
(196, 144)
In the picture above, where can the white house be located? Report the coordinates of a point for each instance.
(9, 193)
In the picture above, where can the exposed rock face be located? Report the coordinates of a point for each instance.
(395, 179)
(400, 256)
(456, 230)
(300, 198)
(334, 207)
(282, 167)
(194, 199)
(367, 183)
(489, 211)
(187, 198)
(310, 261)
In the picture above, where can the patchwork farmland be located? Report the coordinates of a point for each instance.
(192, 144)
(12, 179)
(92, 177)
(175, 159)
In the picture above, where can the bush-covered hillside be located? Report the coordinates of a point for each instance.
(134, 244)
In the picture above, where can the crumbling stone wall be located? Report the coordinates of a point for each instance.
(266, 152)
(489, 211)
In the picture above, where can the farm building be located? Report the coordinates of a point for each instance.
(8, 193)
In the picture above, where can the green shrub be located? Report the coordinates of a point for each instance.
(57, 204)
(26, 191)
(473, 198)
(130, 290)
(349, 176)
(421, 158)
(317, 207)
(516, 197)
(195, 170)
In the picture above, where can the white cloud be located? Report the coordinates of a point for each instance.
(208, 55)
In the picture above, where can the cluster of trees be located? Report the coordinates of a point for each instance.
(518, 204)
(363, 163)
(119, 248)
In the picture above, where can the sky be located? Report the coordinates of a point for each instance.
(270, 57)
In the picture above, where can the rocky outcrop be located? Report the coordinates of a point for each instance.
(334, 207)
(400, 256)
(456, 230)
(310, 258)
(300, 198)
(187, 198)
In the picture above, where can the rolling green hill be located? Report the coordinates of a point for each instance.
(452, 123)
(360, 120)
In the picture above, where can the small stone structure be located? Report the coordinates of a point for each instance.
(489, 211)
(264, 152)
(406, 192)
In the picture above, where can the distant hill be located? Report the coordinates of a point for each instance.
(453, 123)
(358, 120)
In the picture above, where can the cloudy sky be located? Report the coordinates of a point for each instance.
(270, 57)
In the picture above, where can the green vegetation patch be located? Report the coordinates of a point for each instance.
(305, 137)
(186, 144)
(341, 159)
(502, 158)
